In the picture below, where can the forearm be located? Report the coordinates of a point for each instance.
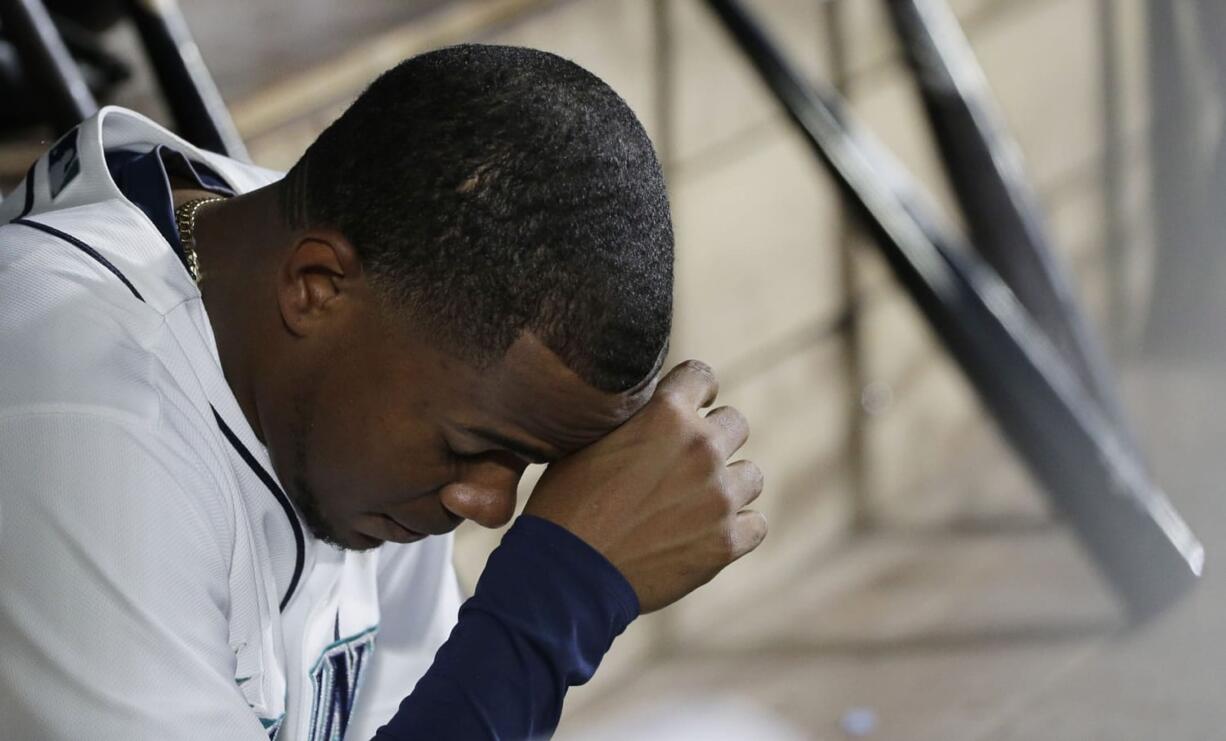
(545, 611)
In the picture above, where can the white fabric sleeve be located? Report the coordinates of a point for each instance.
(113, 587)
(419, 598)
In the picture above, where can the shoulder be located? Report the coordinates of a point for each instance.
(108, 489)
(72, 339)
(114, 583)
(93, 375)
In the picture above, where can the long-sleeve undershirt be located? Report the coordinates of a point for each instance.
(545, 611)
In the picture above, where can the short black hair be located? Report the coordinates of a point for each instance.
(493, 190)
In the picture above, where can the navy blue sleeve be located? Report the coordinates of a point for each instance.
(545, 611)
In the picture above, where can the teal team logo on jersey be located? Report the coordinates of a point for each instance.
(63, 164)
(272, 725)
(337, 677)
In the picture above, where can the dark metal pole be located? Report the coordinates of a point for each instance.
(1133, 534)
(49, 67)
(984, 165)
(1116, 242)
(1211, 20)
(857, 451)
(663, 85)
(1179, 322)
(1212, 24)
(199, 112)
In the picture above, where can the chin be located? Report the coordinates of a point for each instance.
(352, 541)
(346, 540)
(360, 543)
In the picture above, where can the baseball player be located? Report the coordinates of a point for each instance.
(241, 413)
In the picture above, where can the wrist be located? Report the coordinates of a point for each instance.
(544, 544)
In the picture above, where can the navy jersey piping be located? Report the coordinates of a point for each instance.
(281, 497)
(29, 204)
(83, 247)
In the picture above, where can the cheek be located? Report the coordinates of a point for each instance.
(369, 460)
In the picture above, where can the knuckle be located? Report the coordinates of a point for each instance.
(705, 447)
(699, 367)
(754, 473)
(731, 419)
(728, 545)
(724, 501)
(737, 417)
(672, 404)
(745, 533)
(760, 527)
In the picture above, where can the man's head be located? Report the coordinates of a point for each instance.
(478, 265)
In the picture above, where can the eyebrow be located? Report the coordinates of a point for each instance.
(527, 451)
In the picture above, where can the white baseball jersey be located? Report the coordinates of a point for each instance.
(155, 580)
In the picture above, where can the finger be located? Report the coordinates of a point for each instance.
(748, 532)
(691, 382)
(745, 482)
(731, 429)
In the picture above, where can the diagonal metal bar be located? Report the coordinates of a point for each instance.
(1129, 528)
(984, 165)
(199, 112)
(50, 67)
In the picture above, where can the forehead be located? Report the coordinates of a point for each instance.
(531, 394)
(533, 389)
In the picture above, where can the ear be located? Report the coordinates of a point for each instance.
(319, 280)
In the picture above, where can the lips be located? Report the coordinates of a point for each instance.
(386, 528)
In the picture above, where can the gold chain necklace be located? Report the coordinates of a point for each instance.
(185, 220)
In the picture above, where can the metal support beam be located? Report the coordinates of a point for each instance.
(49, 67)
(984, 165)
(834, 32)
(1129, 528)
(199, 112)
(1181, 319)
(1117, 244)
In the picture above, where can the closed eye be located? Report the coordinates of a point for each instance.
(526, 452)
(454, 455)
(493, 442)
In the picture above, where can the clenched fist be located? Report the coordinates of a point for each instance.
(657, 496)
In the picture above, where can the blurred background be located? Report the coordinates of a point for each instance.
(916, 583)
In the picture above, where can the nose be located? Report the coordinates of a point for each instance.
(486, 491)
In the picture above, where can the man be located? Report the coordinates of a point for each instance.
(240, 414)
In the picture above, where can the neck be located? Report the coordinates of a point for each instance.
(235, 242)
